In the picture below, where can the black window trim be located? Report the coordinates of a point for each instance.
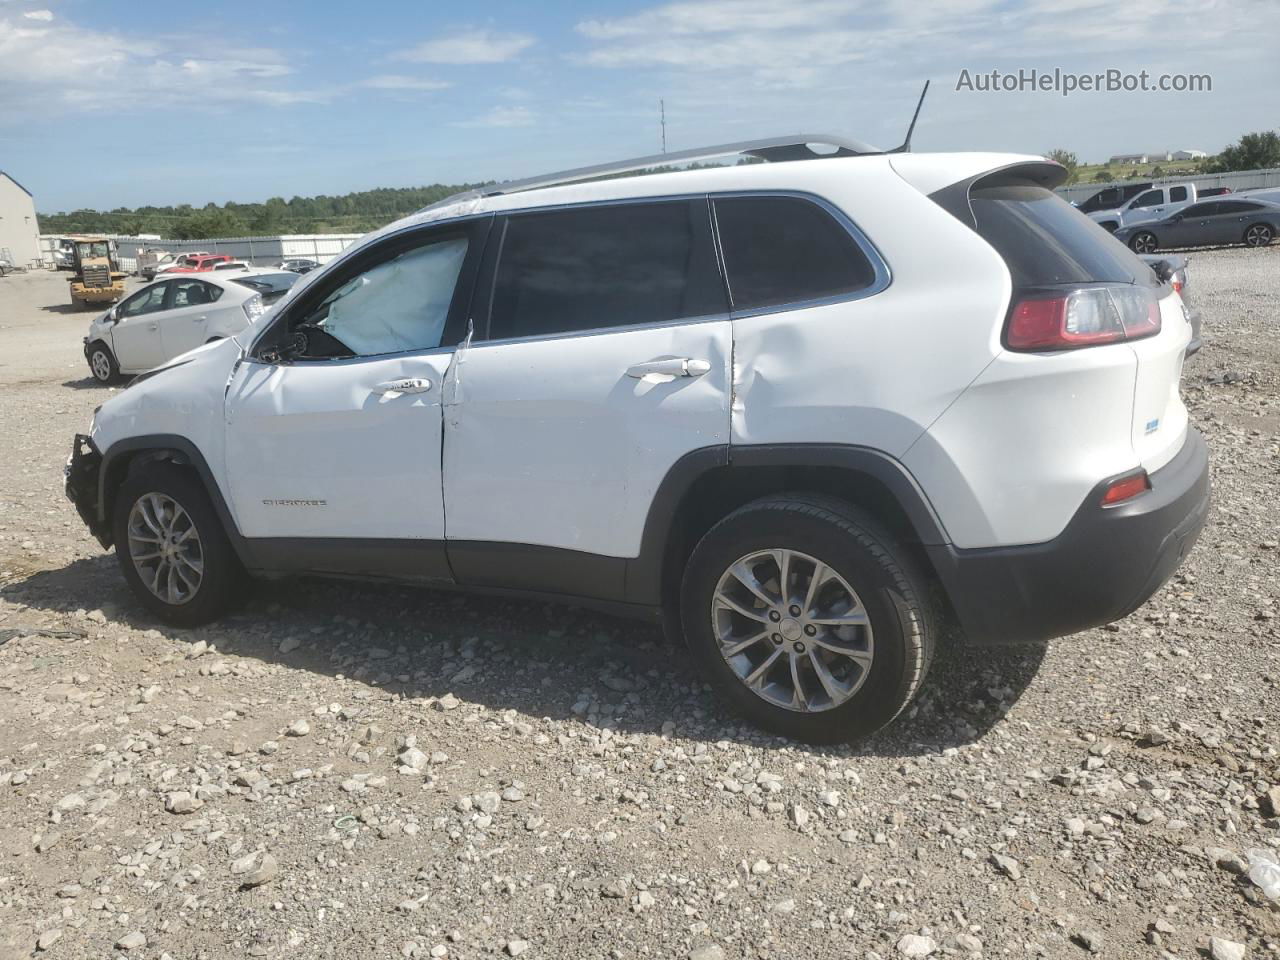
(882, 276)
(365, 257)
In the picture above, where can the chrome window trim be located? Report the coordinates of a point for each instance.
(882, 276)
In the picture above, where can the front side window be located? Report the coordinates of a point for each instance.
(1200, 210)
(399, 304)
(780, 250)
(608, 266)
(144, 301)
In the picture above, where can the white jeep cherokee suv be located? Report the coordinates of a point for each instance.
(807, 412)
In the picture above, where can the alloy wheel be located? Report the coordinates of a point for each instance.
(101, 365)
(1257, 235)
(1144, 243)
(165, 548)
(792, 630)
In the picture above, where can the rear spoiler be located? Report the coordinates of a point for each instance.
(955, 197)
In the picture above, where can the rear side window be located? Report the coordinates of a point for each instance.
(780, 250)
(608, 266)
(1177, 194)
(1237, 206)
(1044, 240)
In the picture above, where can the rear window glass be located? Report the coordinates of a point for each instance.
(780, 250)
(1045, 240)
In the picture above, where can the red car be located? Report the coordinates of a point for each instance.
(197, 263)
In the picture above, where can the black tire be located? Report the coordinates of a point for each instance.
(1258, 235)
(102, 363)
(222, 577)
(1144, 242)
(894, 594)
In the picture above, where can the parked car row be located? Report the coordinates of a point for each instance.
(151, 263)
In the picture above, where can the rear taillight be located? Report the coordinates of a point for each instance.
(253, 307)
(1126, 488)
(1085, 317)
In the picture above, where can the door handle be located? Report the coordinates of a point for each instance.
(672, 367)
(404, 385)
(201, 319)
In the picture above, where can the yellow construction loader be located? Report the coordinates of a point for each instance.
(96, 276)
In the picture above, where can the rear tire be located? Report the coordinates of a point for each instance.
(102, 364)
(172, 548)
(1143, 242)
(860, 644)
(1258, 235)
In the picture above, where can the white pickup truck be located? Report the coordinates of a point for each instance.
(1153, 204)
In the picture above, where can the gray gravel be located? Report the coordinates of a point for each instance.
(345, 771)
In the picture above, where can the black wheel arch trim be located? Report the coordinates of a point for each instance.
(645, 573)
(160, 443)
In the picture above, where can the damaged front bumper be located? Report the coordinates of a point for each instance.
(81, 476)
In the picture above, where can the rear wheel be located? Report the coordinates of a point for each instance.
(808, 618)
(1258, 235)
(1143, 242)
(171, 546)
(102, 364)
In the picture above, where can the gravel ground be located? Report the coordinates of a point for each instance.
(347, 771)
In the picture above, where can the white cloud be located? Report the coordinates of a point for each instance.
(45, 15)
(395, 81)
(60, 66)
(474, 45)
(502, 117)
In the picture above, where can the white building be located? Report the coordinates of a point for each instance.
(19, 232)
(1188, 155)
(1129, 158)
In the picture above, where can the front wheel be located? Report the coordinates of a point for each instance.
(1258, 235)
(808, 618)
(1143, 242)
(102, 364)
(171, 546)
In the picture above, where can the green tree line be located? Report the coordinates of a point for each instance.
(351, 213)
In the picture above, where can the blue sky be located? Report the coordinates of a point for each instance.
(107, 104)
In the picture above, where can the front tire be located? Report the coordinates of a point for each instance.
(808, 618)
(1143, 242)
(102, 364)
(1258, 235)
(172, 547)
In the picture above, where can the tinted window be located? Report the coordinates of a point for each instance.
(272, 286)
(1152, 198)
(1177, 194)
(144, 301)
(1045, 240)
(606, 266)
(1237, 206)
(1201, 210)
(787, 250)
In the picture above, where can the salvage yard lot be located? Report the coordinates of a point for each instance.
(355, 771)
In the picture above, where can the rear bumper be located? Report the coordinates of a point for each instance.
(1195, 318)
(81, 476)
(1103, 566)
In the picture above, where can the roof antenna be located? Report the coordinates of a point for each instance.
(906, 144)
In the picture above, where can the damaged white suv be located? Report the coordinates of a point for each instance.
(807, 412)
